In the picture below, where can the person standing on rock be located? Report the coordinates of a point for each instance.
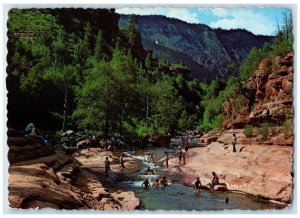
(122, 162)
(186, 146)
(234, 141)
(167, 159)
(180, 156)
(107, 166)
(197, 186)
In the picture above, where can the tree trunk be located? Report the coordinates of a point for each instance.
(147, 108)
(65, 109)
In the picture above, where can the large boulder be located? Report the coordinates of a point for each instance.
(27, 148)
(287, 85)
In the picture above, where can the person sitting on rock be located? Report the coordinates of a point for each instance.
(28, 129)
(163, 182)
(215, 181)
(146, 184)
(38, 135)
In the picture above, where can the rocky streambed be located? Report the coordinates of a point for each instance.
(47, 178)
(44, 178)
(263, 170)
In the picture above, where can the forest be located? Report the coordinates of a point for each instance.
(76, 69)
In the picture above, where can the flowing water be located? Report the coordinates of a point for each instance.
(176, 196)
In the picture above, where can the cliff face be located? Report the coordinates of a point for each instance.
(269, 95)
(208, 53)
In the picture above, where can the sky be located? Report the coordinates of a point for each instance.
(258, 20)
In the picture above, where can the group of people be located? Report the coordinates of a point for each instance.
(108, 144)
(107, 164)
(212, 184)
(156, 184)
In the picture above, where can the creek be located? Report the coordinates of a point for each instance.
(177, 196)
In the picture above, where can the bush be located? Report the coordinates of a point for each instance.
(274, 130)
(248, 131)
(264, 130)
(287, 128)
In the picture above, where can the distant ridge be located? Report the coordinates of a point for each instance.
(209, 53)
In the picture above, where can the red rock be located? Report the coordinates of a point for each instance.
(259, 170)
(287, 85)
(265, 66)
(277, 60)
(280, 95)
(270, 91)
(289, 142)
(27, 148)
(280, 61)
(275, 83)
(290, 70)
(259, 95)
(289, 58)
(211, 139)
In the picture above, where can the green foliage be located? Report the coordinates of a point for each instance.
(248, 130)
(264, 130)
(31, 20)
(287, 128)
(215, 95)
(282, 44)
(250, 64)
(99, 50)
(274, 130)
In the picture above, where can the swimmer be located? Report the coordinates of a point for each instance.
(149, 171)
(226, 200)
(146, 184)
(164, 182)
(197, 186)
(155, 184)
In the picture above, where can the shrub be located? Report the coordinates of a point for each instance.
(287, 128)
(248, 131)
(264, 130)
(274, 130)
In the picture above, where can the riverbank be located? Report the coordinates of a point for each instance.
(258, 169)
(52, 179)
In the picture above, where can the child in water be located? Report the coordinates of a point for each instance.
(155, 184)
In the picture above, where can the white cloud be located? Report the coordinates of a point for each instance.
(250, 20)
(143, 11)
(179, 13)
(220, 12)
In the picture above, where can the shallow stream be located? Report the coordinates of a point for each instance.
(176, 196)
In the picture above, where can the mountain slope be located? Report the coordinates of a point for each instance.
(209, 53)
